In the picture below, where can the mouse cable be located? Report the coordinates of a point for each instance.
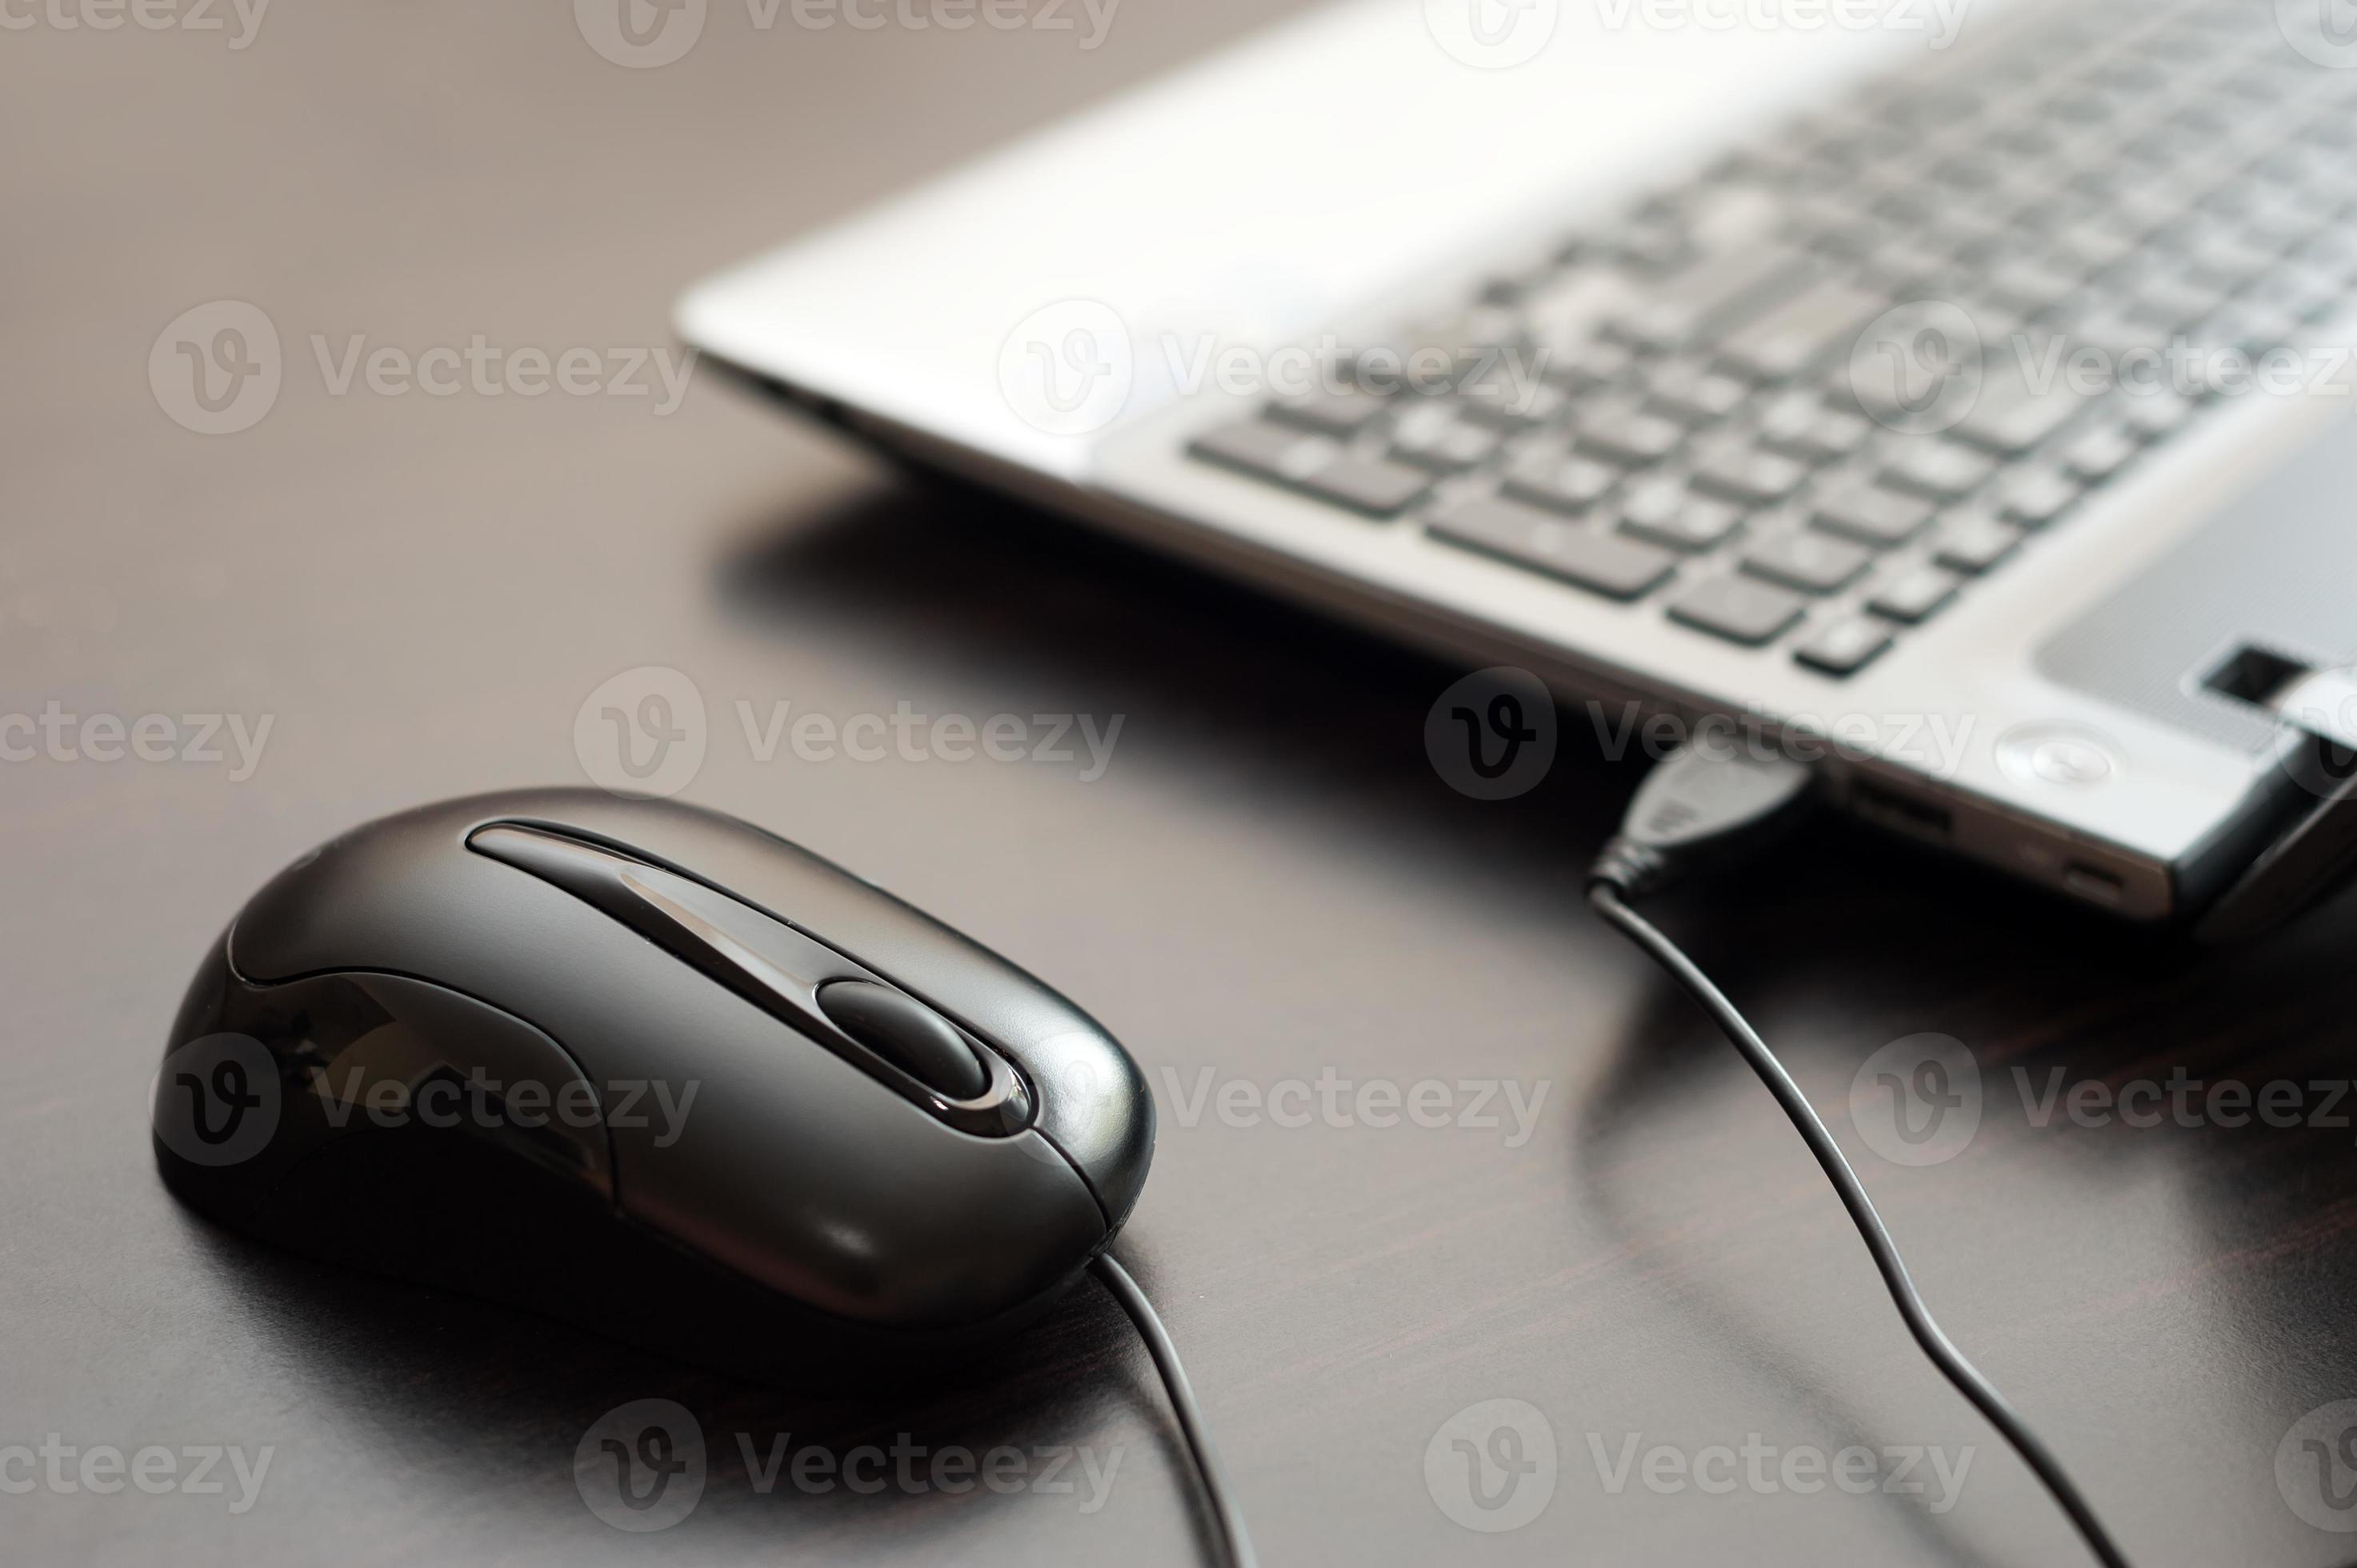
(1229, 1517)
(1696, 807)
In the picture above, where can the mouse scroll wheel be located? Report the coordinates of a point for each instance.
(906, 1033)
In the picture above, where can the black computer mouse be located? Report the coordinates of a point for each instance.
(655, 1071)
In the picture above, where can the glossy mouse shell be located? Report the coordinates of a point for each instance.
(723, 1189)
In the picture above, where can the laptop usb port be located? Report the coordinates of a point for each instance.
(2094, 884)
(1903, 813)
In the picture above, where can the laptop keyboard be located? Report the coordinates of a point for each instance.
(1810, 397)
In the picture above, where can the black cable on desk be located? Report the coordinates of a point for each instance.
(1229, 1518)
(1935, 1343)
(1692, 808)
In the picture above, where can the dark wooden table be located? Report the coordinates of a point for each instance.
(1268, 881)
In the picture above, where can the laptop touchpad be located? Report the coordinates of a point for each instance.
(2275, 570)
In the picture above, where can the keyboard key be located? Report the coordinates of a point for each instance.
(1914, 597)
(1583, 364)
(2155, 415)
(1434, 438)
(1331, 413)
(2038, 498)
(1313, 463)
(2175, 302)
(2299, 291)
(1752, 476)
(1665, 512)
(1499, 401)
(1845, 647)
(1872, 515)
(1626, 435)
(2011, 416)
(2096, 245)
(1911, 264)
(1694, 396)
(1976, 543)
(1579, 553)
(2252, 326)
(1370, 485)
(2031, 285)
(1716, 294)
(1271, 451)
(1557, 479)
(2217, 255)
(2101, 452)
(1809, 561)
(1739, 609)
(1812, 325)
(1940, 469)
(1803, 428)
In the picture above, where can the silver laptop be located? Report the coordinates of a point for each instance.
(1958, 391)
